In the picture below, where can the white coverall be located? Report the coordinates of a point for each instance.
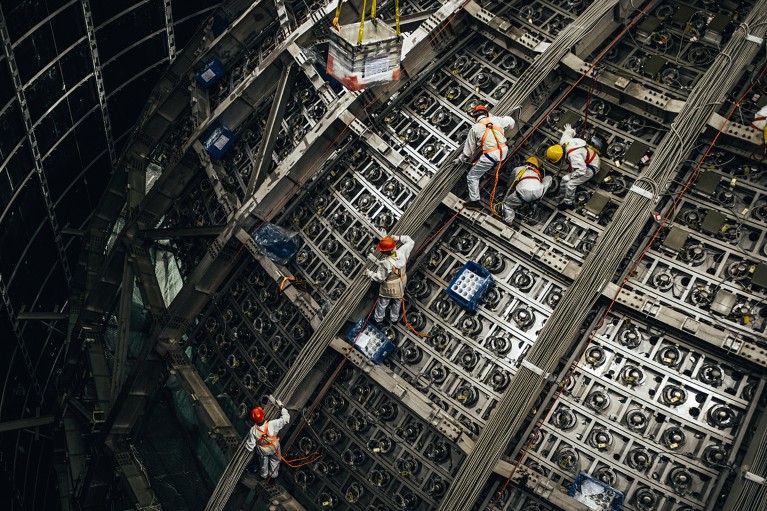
(391, 272)
(480, 135)
(529, 187)
(583, 163)
(268, 448)
(760, 122)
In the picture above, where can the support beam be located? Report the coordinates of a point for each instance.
(170, 35)
(42, 181)
(263, 157)
(123, 329)
(20, 344)
(41, 316)
(182, 232)
(31, 422)
(90, 30)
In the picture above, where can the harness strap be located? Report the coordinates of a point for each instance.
(489, 128)
(590, 155)
(757, 119)
(265, 438)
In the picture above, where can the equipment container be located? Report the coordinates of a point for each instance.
(470, 285)
(371, 342)
(217, 140)
(211, 72)
(376, 59)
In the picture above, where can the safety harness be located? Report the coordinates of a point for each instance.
(521, 176)
(394, 285)
(489, 128)
(591, 154)
(267, 443)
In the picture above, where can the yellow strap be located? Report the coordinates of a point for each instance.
(362, 22)
(338, 14)
(373, 10)
(396, 14)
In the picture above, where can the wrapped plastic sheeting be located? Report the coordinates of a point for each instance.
(276, 243)
(374, 60)
(595, 494)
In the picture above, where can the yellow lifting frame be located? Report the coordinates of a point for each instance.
(361, 35)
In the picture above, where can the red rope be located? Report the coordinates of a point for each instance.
(666, 218)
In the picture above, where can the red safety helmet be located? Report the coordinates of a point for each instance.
(386, 244)
(257, 414)
(480, 109)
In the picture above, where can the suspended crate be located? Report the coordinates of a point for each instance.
(365, 53)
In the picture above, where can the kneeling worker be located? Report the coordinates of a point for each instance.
(391, 274)
(528, 186)
(264, 435)
(582, 162)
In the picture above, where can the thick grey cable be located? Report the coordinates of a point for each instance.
(424, 203)
(562, 327)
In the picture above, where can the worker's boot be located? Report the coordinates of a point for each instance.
(473, 205)
(562, 206)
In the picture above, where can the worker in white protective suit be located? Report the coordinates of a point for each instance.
(760, 123)
(390, 272)
(529, 185)
(263, 437)
(489, 133)
(582, 162)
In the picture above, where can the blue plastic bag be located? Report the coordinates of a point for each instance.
(278, 244)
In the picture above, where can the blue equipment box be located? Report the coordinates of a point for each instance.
(470, 285)
(595, 494)
(218, 140)
(371, 342)
(211, 72)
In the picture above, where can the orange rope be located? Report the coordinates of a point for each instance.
(312, 457)
(284, 280)
(666, 218)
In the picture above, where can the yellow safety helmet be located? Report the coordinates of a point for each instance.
(533, 160)
(554, 153)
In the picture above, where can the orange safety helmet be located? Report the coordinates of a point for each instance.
(386, 244)
(480, 109)
(257, 414)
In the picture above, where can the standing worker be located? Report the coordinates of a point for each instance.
(391, 274)
(528, 186)
(489, 134)
(760, 122)
(582, 162)
(264, 435)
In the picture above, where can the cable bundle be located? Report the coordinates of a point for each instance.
(603, 261)
(425, 202)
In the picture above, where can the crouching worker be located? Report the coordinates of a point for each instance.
(263, 437)
(391, 274)
(529, 186)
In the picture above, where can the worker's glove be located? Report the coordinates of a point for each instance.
(279, 403)
(370, 273)
(568, 127)
(372, 258)
(395, 237)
